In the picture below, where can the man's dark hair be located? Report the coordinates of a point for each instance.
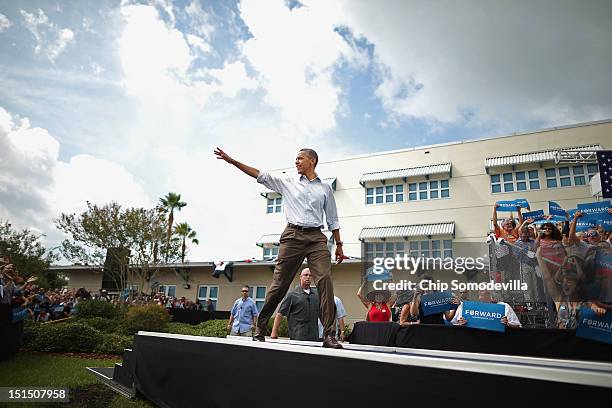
(312, 154)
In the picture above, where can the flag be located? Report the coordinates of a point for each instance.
(604, 160)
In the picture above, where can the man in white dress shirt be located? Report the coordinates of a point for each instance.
(306, 200)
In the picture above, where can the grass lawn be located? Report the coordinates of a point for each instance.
(49, 370)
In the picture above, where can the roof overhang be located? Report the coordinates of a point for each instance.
(408, 231)
(538, 156)
(441, 168)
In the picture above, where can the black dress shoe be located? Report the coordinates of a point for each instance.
(259, 335)
(330, 341)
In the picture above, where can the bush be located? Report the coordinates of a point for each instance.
(184, 328)
(113, 344)
(213, 328)
(97, 308)
(61, 337)
(148, 318)
(210, 328)
(103, 324)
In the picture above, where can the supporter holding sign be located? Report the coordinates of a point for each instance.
(486, 314)
(509, 229)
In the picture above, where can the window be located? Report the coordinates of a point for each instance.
(515, 181)
(428, 190)
(567, 176)
(168, 290)
(432, 248)
(385, 194)
(208, 292)
(270, 253)
(384, 249)
(275, 205)
(258, 293)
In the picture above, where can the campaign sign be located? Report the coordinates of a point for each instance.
(585, 222)
(607, 223)
(512, 204)
(555, 209)
(557, 218)
(506, 205)
(571, 212)
(522, 203)
(437, 302)
(536, 215)
(487, 316)
(591, 326)
(599, 207)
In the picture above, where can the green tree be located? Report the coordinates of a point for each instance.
(184, 232)
(169, 203)
(131, 238)
(97, 237)
(29, 256)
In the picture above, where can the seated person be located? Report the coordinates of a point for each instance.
(378, 308)
(509, 319)
(301, 307)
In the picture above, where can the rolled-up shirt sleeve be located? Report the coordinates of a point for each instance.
(331, 212)
(272, 182)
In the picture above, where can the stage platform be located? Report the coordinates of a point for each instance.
(174, 370)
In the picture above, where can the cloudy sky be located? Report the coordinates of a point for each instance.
(125, 101)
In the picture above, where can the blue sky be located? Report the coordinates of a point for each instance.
(126, 100)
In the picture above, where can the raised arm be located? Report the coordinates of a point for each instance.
(416, 302)
(251, 171)
(572, 231)
(520, 220)
(495, 226)
(365, 302)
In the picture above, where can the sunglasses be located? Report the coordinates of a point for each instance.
(591, 234)
(244, 291)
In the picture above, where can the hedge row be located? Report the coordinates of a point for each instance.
(75, 337)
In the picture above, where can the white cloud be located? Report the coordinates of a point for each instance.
(5, 23)
(35, 186)
(232, 79)
(50, 40)
(198, 43)
(296, 52)
(200, 20)
(153, 56)
(497, 63)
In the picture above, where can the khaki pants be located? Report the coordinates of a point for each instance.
(295, 245)
(248, 333)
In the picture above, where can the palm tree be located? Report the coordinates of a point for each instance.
(184, 231)
(168, 203)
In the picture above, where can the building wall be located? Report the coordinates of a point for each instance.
(89, 279)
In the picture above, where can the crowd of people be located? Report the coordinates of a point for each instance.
(572, 269)
(22, 299)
